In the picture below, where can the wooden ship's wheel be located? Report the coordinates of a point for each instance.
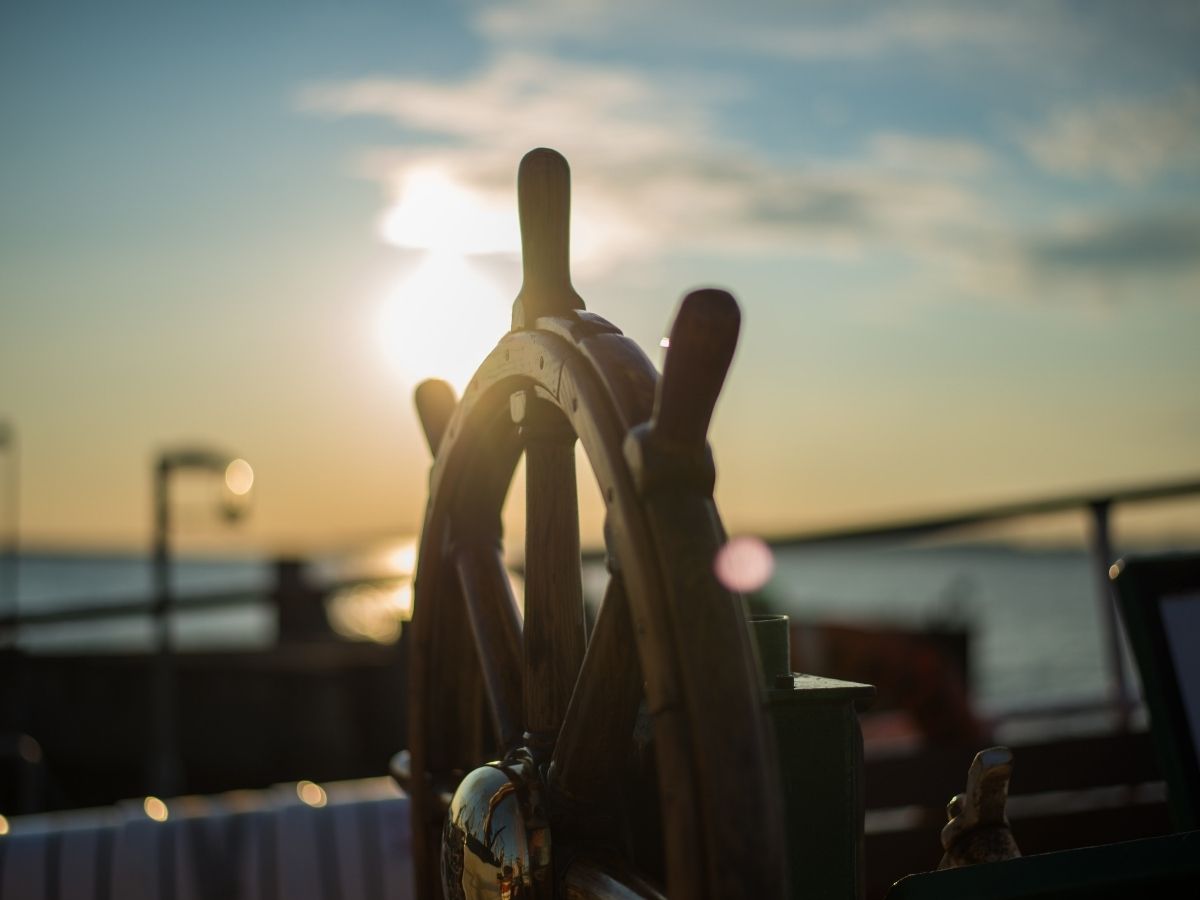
(634, 760)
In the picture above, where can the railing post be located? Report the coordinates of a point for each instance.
(164, 774)
(11, 608)
(1102, 559)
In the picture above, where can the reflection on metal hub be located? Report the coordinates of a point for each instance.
(496, 840)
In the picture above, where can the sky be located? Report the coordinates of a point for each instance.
(965, 238)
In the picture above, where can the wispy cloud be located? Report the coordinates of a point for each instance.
(661, 175)
(940, 156)
(1130, 140)
(1088, 261)
(665, 173)
(1148, 243)
(874, 34)
(798, 31)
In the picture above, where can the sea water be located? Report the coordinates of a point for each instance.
(49, 582)
(1037, 636)
(1034, 615)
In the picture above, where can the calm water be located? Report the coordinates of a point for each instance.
(65, 581)
(1034, 613)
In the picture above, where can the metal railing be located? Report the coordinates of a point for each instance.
(1098, 504)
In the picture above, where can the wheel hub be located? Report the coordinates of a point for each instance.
(496, 839)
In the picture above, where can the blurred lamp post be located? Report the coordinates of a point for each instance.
(8, 591)
(236, 480)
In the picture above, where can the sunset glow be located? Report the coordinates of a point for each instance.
(442, 320)
(436, 212)
(945, 222)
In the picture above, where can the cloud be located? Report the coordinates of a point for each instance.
(1159, 243)
(922, 27)
(1088, 262)
(520, 96)
(665, 175)
(661, 173)
(1131, 141)
(802, 32)
(946, 157)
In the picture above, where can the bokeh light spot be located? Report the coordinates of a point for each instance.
(155, 809)
(239, 477)
(744, 564)
(371, 611)
(310, 793)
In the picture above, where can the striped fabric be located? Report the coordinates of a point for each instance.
(265, 845)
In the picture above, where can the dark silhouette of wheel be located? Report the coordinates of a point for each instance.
(633, 759)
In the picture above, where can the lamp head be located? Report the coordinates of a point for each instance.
(239, 479)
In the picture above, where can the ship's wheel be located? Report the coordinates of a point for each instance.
(633, 760)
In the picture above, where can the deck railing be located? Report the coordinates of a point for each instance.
(1098, 504)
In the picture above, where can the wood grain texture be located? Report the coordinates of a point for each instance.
(445, 729)
(598, 728)
(575, 379)
(606, 879)
(544, 207)
(555, 633)
(496, 626)
(578, 378)
(703, 338)
(672, 465)
(735, 766)
(435, 402)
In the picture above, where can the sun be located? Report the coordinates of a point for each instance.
(437, 212)
(442, 320)
(444, 317)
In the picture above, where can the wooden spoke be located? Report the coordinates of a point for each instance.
(555, 630)
(457, 737)
(591, 879)
(598, 727)
(496, 624)
(435, 403)
(703, 338)
(445, 733)
(544, 207)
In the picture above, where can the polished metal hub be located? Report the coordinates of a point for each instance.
(496, 840)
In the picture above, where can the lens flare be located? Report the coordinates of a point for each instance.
(744, 564)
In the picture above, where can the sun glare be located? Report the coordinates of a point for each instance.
(436, 212)
(446, 315)
(443, 319)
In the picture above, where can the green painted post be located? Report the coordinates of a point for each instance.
(821, 767)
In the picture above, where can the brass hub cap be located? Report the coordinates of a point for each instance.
(496, 840)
